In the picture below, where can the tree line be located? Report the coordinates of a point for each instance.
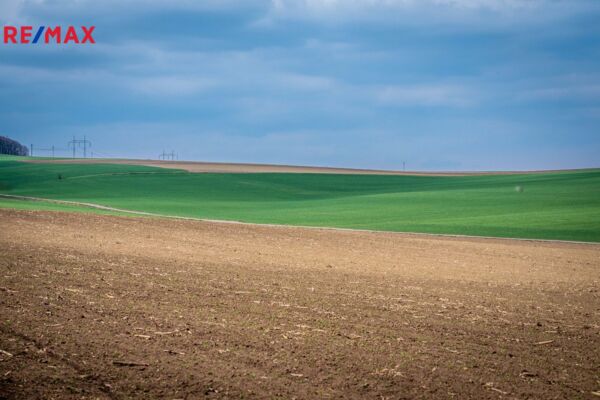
(12, 147)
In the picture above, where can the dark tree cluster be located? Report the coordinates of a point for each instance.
(12, 147)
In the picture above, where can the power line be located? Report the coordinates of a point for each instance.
(56, 151)
(168, 156)
(85, 144)
(52, 149)
(79, 143)
(104, 155)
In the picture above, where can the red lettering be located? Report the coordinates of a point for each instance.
(55, 33)
(10, 33)
(71, 35)
(25, 34)
(88, 34)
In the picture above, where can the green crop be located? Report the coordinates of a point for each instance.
(563, 205)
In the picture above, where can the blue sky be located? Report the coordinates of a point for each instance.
(440, 84)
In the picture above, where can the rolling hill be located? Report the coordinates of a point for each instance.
(557, 205)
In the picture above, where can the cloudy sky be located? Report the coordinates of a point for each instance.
(440, 84)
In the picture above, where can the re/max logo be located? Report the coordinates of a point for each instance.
(57, 34)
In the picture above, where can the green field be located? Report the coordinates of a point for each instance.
(563, 205)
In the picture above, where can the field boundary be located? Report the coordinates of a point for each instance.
(234, 222)
(249, 168)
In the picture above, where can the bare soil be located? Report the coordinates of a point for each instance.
(114, 307)
(214, 167)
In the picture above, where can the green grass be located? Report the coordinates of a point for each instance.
(49, 206)
(8, 157)
(563, 205)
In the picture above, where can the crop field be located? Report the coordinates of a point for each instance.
(117, 306)
(107, 307)
(558, 205)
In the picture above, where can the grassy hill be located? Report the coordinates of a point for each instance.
(563, 205)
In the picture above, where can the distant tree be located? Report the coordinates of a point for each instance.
(12, 147)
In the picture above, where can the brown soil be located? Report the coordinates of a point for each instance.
(197, 166)
(114, 307)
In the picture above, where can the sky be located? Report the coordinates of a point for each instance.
(437, 84)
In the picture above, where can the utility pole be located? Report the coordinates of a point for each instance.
(73, 143)
(403, 165)
(31, 152)
(52, 151)
(85, 144)
(167, 156)
(78, 143)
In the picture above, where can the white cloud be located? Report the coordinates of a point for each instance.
(304, 82)
(363, 4)
(9, 10)
(172, 85)
(571, 87)
(345, 5)
(553, 93)
(143, 4)
(463, 14)
(426, 95)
